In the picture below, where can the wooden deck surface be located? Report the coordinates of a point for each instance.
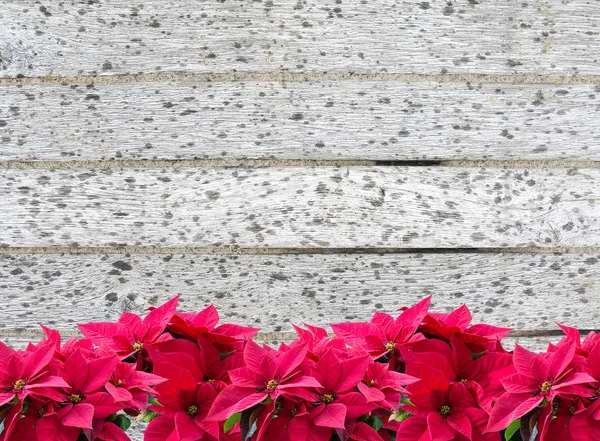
(306, 161)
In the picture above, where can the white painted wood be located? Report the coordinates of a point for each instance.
(325, 207)
(489, 36)
(270, 291)
(317, 120)
(535, 344)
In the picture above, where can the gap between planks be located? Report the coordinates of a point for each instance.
(278, 336)
(286, 76)
(277, 251)
(257, 163)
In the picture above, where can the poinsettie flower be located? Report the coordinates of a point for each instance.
(268, 374)
(131, 335)
(184, 406)
(131, 387)
(384, 335)
(270, 421)
(317, 341)
(25, 373)
(201, 358)
(19, 422)
(108, 431)
(441, 410)
(225, 338)
(572, 335)
(478, 338)
(338, 402)
(37, 422)
(421, 376)
(481, 375)
(85, 398)
(382, 386)
(539, 379)
(63, 351)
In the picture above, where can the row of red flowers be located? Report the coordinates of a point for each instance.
(421, 376)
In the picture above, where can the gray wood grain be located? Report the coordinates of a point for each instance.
(269, 291)
(317, 120)
(304, 207)
(492, 36)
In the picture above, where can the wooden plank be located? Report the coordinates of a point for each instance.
(328, 207)
(494, 36)
(535, 344)
(316, 120)
(269, 291)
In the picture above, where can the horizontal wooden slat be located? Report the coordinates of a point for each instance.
(495, 36)
(318, 120)
(535, 344)
(388, 207)
(268, 291)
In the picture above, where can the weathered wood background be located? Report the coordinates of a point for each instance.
(300, 161)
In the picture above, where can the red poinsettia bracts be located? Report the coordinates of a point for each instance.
(132, 335)
(417, 376)
(265, 375)
(26, 373)
(539, 378)
(383, 336)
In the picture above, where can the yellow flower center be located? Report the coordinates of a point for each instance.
(19, 385)
(546, 386)
(211, 380)
(137, 346)
(389, 346)
(192, 410)
(327, 398)
(75, 398)
(463, 380)
(118, 383)
(272, 384)
(444, 410)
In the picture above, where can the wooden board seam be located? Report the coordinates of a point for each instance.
(265, 336)
(263, 163)
(233, 250)
(287, 76)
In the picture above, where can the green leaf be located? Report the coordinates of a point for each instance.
(122, 422)
(405, 400)
(148, 416)
(224, 355)
(152, 400)
(377, 423)
(476, 355)
(399, 415)
(512, 429)
(230, 422)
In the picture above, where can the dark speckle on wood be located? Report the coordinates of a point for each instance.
(257, 39)
(401, 121)
(306, 286)
(356, 206)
